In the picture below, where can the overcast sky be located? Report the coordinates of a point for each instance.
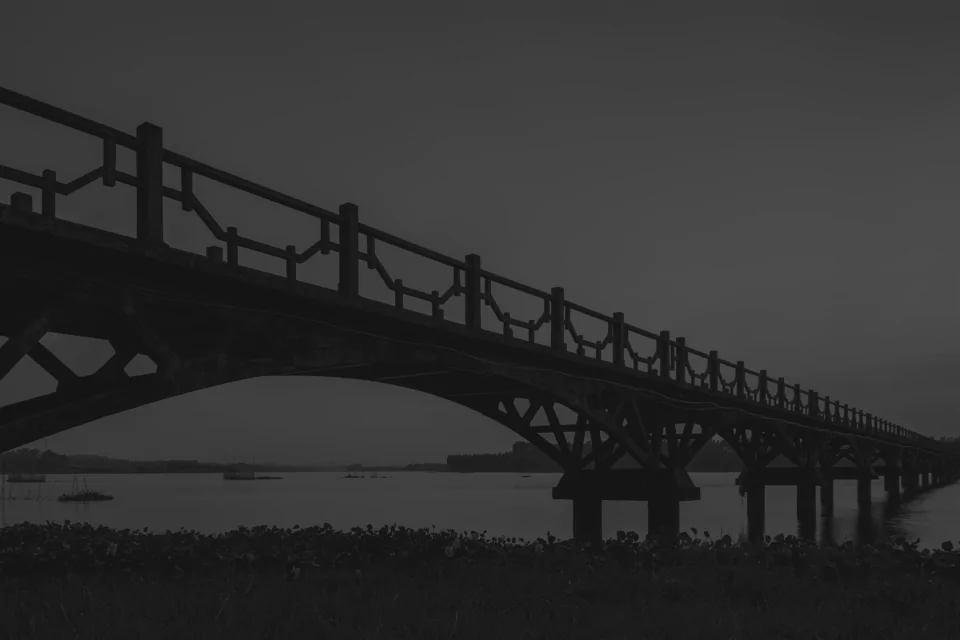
(780, 189)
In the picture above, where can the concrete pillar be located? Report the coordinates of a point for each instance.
(910, 481)
(863, 488)
(756, 503)
(807, 504)
(588, 519)
(663, 516)
(891, 482)
(826, 492)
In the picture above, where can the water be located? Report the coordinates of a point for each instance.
(500, 503)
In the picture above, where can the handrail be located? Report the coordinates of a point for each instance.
(671, 357)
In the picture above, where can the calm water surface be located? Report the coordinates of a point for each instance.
(500, 503)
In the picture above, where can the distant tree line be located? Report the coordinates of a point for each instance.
(714, 456)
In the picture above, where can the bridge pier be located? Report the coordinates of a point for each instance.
(753, 485)
(588, 519)
(891, 483)
(826, 492)
(911, 482)
(864, 498)
(662, 489)
(807, 481)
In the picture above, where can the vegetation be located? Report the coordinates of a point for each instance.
(36, 461)
(83, 494)
(78, 581)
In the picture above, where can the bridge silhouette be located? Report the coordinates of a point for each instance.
(206, 320)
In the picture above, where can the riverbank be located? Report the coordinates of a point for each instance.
(80, 581)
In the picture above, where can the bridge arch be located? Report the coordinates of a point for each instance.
(506, 396)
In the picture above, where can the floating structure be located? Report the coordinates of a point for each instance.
(239, 475)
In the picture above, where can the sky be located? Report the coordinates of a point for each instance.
(779, 188)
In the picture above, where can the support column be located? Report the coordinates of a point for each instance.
(864, 478)
(910, 481)
(891, 483)
(826, 492)
(588, 519)
(663, 516)
(925, 480)
(807, 504)
(756, 503)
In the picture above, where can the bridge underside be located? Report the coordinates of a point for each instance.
(206, 324)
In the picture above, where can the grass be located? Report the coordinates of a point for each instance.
(76, 581)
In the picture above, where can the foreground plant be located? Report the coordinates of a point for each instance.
(395, 582)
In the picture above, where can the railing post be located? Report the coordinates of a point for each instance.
(681, 360)
(349, 286)
(713, 366)
(813, 404)
(21, 202)
(618, 332)
(233, 249)
(797, 401)
(48, 202)
(558, 320)
(665, 356)
(150, 184)
(781, 393)
(764, 394)
(870, 424)
(472, 281)
(741, 379)
(291, 263)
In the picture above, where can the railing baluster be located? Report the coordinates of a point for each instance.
(48, 202)
(349, 285)
(618, 332)
(472, 290)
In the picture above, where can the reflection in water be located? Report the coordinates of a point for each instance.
(502, 504)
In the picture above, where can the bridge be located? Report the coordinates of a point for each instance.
(207, 320)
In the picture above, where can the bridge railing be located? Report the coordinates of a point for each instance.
(622, 345)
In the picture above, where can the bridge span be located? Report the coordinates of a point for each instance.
(206, 320)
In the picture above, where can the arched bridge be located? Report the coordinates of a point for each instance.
(205, 320)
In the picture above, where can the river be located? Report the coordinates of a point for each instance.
(500, 503)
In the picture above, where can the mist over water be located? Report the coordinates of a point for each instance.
(498, 503)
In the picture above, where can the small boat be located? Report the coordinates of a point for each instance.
(26, 477)
(239, 475)
(350, 475)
